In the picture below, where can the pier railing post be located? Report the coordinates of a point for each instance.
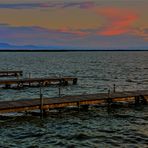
(109, 93)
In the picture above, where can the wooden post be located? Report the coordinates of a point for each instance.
(140, 100)
(75, 81)
(21, 73)
(17, 76)
(29, 78)
(114, 88)
(78, 104)
(109, 102)
(59, 90)
(29, 75)
(41, 102)
(143, 100)
(84, 107)
(109, 93)
(65, 83)
(7, 86)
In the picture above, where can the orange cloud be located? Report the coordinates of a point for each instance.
(113, 31)
(118, 21)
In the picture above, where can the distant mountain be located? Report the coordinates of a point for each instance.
(9, 47)
(3, 45)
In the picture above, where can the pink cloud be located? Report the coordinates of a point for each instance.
(118, 21)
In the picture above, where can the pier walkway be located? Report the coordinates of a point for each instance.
(135, 97)
(30, 82)
(11, 73)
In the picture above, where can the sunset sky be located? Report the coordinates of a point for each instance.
(75, 24)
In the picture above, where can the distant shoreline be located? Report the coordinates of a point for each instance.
(7, 50)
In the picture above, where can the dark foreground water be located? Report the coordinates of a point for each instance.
(97, 72)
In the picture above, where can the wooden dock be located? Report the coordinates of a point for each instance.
(36, 82)
(44, 104)
(11, 73)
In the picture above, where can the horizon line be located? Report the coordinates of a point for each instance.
(67, 50)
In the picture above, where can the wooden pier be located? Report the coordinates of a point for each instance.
(36, 82)
(44, 104)
(11, 73)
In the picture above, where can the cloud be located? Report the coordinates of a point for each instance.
(38, 34)
(81, 5)
(82, 38)
(118, 20)
(20, 6)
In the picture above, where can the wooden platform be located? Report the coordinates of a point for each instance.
(135, 97)
(30, 82)
(11, 73)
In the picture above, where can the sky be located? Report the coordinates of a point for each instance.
(75, 24)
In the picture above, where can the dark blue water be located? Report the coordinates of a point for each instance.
(96, 72)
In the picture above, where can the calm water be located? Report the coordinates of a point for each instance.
(96, 72)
